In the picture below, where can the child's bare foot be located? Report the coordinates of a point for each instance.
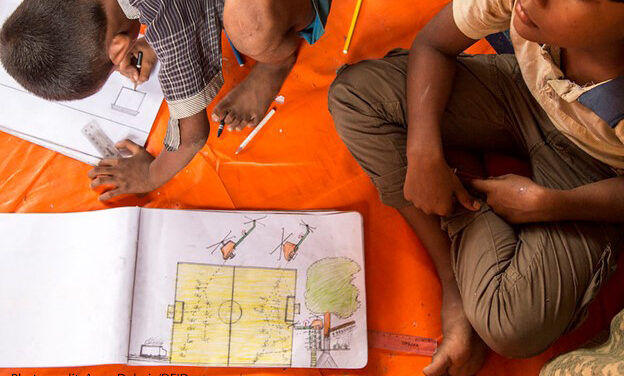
(248, 102)
(462, 352)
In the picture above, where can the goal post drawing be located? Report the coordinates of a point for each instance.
(233, 315)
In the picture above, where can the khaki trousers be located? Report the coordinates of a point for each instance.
(522, 286)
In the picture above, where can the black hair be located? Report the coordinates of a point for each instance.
(56, 48)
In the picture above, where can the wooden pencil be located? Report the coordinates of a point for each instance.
(255, 131)
(356, 14)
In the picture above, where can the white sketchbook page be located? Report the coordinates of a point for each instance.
(66, 287)
(180, 259)
(93, 160)
(121, 112)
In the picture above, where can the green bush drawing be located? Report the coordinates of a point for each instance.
(329, 287)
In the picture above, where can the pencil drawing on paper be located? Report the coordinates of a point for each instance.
(128, 101)
(289, 249)
(305, 312)
(233, 315)
(330, 292)
(153, 348)
(228, 246)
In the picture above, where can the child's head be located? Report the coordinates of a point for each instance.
(65, 49)
(571, 23)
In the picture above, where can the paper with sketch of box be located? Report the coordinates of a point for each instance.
(128, 101)
(121, 112)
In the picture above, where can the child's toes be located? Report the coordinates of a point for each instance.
(255, 120)
(229, 119)
(236, 122)
(219, 114)
(246, 121)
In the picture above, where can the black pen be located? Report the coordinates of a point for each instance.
(221, 126)
(139, 63)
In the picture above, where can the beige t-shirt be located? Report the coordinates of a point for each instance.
(557, 95)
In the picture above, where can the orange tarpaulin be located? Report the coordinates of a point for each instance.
(296, 162)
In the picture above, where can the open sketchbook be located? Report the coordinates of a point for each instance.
(121, 111)
(151, 286)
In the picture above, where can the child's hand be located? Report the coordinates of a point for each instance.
(128, 65)
(127, 175)
(432, 186)
(516, 198)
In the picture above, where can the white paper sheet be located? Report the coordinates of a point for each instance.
(66, 287)
(117, 108)
(195, 306)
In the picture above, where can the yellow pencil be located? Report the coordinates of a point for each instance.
(356, 14)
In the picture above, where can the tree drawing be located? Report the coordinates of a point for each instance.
(329, 287)
(330, 290)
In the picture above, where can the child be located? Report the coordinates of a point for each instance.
(520, 269)
(66, 49)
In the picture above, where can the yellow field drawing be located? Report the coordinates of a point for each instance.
(232, 315)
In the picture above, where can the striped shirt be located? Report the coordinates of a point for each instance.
(186, 36)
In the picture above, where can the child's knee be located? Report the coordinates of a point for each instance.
(339, 93)
(517, 344)
(511, 331)
(349, 90)
(253, 27)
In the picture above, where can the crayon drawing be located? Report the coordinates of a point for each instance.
(289, 249)
(233, 315)
(330, 292)
(228, 246)
(251, 289)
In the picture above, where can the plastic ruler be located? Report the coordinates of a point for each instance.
(100, 141)
(402, 343)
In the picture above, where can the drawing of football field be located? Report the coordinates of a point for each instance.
(233, 316)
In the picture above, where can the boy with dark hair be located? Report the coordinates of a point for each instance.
(65, 66)
(66, 49)
(520, 268)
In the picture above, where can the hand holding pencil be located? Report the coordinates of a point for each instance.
(130, 68)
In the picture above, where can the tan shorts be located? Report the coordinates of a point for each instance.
(524, 285)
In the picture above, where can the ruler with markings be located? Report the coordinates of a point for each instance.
(402, 343)
(100, 141)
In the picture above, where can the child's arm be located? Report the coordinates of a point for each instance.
(141, 173)
(600, 201)
(520, 200)
(430, 184)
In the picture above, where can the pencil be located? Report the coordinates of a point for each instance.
(139, 64)
(356, 14)
(220, 130)
(255, 131)
(237, 55)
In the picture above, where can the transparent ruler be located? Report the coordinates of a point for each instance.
(100, 141)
